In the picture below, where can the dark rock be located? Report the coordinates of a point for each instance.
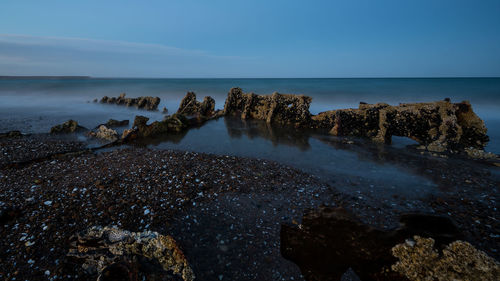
(190, 106)
(104, 99)
(165, 110)
(277, 108)
(115, 123)
(70, 126)
(171, 124)
(148, 103)
(11, 134)
(330, 241)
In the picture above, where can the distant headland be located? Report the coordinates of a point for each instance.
(45, 77)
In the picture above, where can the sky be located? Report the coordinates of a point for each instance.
(233, 38)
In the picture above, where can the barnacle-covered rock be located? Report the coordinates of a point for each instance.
(70, 126)
(104, 133)
(111, 252)
(285, 109)
(419, 260)
(439, 126)
(190, 106)
(171, 124)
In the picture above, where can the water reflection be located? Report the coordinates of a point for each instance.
(253, 129)
(353, 165)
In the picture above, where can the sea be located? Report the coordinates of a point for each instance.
(34, 105)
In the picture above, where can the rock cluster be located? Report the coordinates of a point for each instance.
(439, 126)
(278, 108)
(148, 103)
(105, 133)
(190, 106)
(70, 126)
(330, 241)
(114, 253)
(140, 129)
(418, 260)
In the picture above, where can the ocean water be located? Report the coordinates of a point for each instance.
(34, 105)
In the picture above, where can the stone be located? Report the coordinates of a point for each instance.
(190, 106)
(439, 126)
(148, 103)
(70, 126)
(330, 241)
(419, 260)
(284, 109)
(171, 124)
(105, 133)
(11, 134)
(116, 123)
(113, 253)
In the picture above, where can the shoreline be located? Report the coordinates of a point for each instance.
(243, 204)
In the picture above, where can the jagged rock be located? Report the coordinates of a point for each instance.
(105, 133)
(165, 110)
(330, 241)
(112, 253)
(116, 123)
(11, 134)
(171, 124)
(148, 103)
(418, 260)
(70, 126)
(439, 126)
(278, 108)
(190, 106)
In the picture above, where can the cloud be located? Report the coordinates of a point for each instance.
(32, 55)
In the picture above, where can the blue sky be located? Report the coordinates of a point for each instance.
(350, 38)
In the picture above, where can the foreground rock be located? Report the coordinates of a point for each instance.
(116, 254)
(190, 106)
(105, 133)
(330, 241)
(70, 126)
(278, 108)
(418, 260)
(148, 103)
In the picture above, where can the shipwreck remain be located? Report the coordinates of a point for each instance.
(439, 126)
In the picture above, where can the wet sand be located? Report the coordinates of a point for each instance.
(224, 211)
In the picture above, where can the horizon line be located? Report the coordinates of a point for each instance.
(142, 77)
